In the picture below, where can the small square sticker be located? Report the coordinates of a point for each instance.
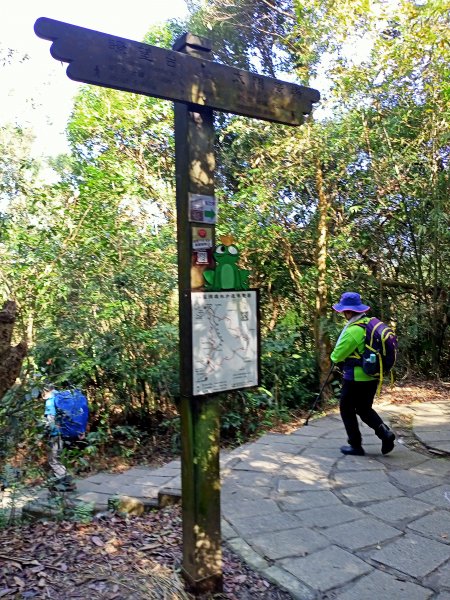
(202, 258)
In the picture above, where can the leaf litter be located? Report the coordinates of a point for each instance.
(112, 558)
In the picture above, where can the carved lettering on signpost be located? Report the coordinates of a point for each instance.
(115, 62)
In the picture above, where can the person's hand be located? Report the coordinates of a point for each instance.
(52, 430)
(336, 374)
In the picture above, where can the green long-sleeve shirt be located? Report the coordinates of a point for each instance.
(351, 345)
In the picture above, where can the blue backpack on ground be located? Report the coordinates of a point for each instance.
(72, 413)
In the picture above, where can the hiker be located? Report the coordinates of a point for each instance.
(358, 388)
(61, 481)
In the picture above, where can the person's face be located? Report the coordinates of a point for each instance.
(348, 314)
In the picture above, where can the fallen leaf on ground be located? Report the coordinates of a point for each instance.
(97, 541)
(149, 547)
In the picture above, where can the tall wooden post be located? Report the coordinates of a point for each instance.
(200, 426)
(197, 85)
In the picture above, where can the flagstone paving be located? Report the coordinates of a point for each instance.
(323, 525)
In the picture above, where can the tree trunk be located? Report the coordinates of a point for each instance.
(11, 358)
(322, 340)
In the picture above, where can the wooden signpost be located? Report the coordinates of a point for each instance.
(197, 85)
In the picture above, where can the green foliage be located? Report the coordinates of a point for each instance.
(247, 413)
(81, 512)
(91, 259)
(288, 369)
(17, 170)
(10, 492)
(246, 32)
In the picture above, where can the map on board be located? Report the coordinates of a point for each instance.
(225, 349)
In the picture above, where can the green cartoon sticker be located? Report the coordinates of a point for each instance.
(227, 275)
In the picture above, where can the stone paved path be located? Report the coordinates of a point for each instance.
(432, 425)
(323, 525)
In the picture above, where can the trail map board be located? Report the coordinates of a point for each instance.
(225, 341)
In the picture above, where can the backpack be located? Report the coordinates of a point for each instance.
(381, 348)
(72, 412)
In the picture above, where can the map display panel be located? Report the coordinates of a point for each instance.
(225, 341)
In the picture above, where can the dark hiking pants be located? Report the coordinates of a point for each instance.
(357, 399)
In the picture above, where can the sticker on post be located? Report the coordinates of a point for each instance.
(202, 257)
(202, 208)
(201, 238)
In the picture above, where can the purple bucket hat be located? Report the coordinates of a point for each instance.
(350, 301)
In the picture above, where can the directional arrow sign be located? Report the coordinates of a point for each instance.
(114, 62)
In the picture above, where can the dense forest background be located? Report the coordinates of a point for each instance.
(355, 199)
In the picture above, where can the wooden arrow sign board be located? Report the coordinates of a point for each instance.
(122, 64)
(197, 86)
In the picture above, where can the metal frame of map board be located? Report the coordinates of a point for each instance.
(247, 369)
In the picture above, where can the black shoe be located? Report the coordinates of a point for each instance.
(359, 451)
(387, 437)
(387, 444)
(62, 484)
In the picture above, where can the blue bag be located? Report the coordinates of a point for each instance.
(72, 413)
